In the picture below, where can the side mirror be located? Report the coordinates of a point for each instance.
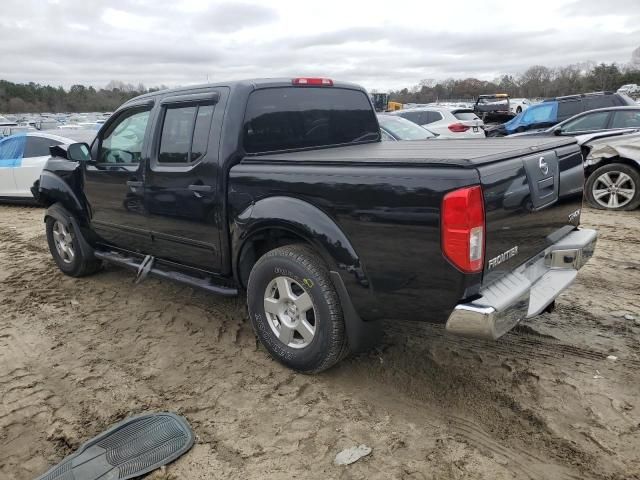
(78, 152)
(557, 131)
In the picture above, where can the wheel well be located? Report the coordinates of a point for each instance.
(607, 161)
(259, 244)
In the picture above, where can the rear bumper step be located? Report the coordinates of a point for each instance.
(526, 291)
(157, 271)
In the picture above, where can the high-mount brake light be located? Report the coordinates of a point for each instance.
(313, 82)
(458, 127)
(463, 227)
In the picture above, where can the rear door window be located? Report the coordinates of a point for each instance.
(38, 146)
(185, 133)
(287, 118)
(626, 119)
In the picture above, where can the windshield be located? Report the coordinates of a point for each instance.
(403, 129)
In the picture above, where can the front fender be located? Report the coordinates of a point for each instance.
(53, 189)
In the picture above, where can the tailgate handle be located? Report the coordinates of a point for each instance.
(201, 188)
(546, 183)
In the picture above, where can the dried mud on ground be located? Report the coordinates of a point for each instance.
(544, 402)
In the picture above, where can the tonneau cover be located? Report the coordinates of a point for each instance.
(464, 153)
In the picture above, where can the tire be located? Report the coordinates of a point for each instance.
(304, 327)
(65, 249)
(614, 187)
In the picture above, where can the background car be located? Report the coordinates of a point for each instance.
(446, 122)
(600, 120)
(22, 158)
(518, 105)
(629, 89)
(395, 128)
(612, 165)
(552, 111)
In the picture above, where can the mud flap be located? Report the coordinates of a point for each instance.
(129, 449)
(361, 335)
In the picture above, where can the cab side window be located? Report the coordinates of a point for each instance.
(185, 133)
(122, 142)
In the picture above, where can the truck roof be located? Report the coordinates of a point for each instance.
(254, 83)
(464, 153)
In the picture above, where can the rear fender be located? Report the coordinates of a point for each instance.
(303, 220)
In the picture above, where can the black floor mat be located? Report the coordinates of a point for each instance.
(129, 449)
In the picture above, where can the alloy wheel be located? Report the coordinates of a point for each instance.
(613, 189)
(290, 312)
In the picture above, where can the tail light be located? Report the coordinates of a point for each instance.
(322, 82)
(458, 127)
(463, 228)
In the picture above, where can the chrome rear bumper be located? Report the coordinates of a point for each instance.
(526, 291)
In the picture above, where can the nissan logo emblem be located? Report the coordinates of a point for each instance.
(544, 166)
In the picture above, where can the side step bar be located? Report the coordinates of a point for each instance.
(157, 271)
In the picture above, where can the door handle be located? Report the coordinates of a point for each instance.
(133, 183)
(201, 188)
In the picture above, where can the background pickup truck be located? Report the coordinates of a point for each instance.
(282, 188)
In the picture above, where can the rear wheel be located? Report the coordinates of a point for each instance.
(64, 245)
(295, 310)
(614, 187)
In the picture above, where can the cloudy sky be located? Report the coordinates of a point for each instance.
(381, 45)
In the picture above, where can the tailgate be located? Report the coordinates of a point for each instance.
(530, 203)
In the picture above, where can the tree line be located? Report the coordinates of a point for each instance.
(537, 81)
(34, 98)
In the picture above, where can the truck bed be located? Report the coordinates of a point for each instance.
(463, 153)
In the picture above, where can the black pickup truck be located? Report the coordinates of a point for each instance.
(282, 189)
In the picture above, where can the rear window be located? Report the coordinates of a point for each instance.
(465, 115)
(306, 117)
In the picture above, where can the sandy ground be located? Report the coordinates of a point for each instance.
(542, 403)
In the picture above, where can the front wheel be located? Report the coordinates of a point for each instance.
(295, 309)
(614, 187)
(64, 245)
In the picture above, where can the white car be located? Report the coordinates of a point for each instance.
(446, 122)
(518, 105)
(22, 158)
(629, 89)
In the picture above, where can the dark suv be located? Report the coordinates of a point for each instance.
(555, 110)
